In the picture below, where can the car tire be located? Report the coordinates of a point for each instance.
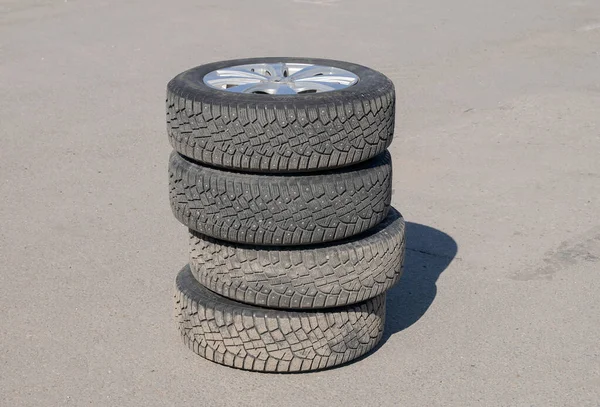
(280, 133)
(266, 340)
(329, 275)
(265, 209)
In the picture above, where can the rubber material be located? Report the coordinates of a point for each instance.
(260, 339)
(331, 275)
(280, 210)
(282, 133)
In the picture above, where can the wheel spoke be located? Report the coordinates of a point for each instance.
(284, 89)
(224, 83)
(248, 88)
(280, 78)
(310, 71)
(302, 86)
(340, 79)
(235, 73)
(278, 70)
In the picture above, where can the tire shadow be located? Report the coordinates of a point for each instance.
(429, 252)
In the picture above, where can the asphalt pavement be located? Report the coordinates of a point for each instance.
(496, 168)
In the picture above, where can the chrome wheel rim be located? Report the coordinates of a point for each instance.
(280, 79)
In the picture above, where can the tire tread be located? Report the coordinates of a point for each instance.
(280, 210)
(260, 339)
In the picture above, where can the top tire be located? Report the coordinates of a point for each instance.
(280, 114)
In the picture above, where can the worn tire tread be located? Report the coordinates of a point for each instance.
(329, 275)
(266, 340)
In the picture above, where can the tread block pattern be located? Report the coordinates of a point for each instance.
(260, 339)
(267, 137)
(331, 275)
(280, 210)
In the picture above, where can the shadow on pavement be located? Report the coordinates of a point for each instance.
(428, 253)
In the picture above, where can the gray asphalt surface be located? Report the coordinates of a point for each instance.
(497, 167)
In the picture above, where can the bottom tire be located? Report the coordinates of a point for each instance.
(269, 340)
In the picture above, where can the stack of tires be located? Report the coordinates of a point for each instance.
(280, 172)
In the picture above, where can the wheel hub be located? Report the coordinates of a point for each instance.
(280, 78)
